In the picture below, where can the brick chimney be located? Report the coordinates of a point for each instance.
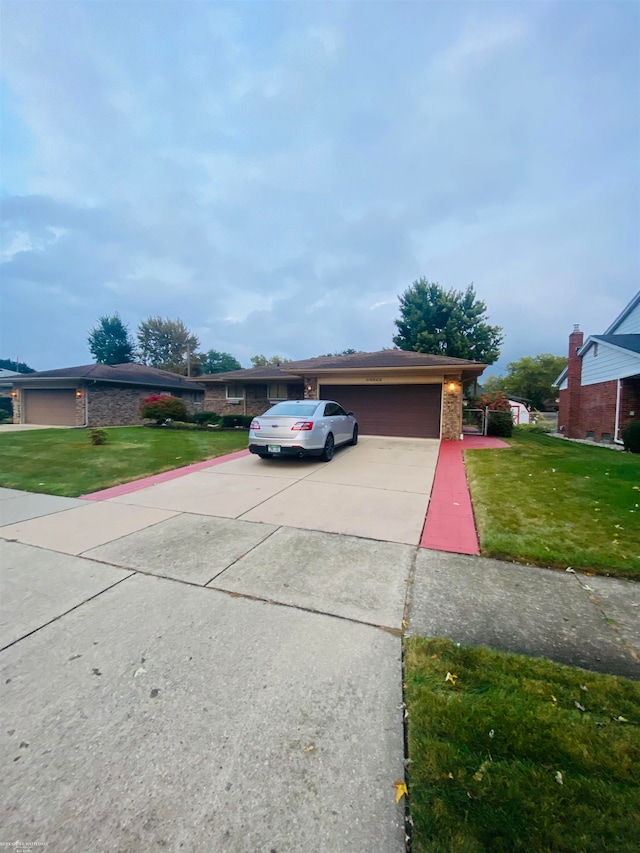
(570, 414)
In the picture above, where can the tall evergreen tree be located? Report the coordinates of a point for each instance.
(110, 341)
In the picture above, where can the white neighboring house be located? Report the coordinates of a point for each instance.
(600, 387)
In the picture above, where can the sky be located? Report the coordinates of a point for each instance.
(276, 174)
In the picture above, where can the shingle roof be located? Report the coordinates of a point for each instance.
(132, 374)
(630, 342)
(249, 374)
(381, 359)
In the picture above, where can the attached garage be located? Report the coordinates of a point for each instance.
(412, 411)
(51, 406)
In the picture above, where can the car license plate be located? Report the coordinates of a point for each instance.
(273, 448)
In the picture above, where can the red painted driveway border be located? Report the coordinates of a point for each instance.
(450, 525)
(165, 477)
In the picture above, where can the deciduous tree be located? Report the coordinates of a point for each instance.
(18, 366)
(263, 361)
(169, 345)
(531, 377)
(218, 362)
(110, 341)
(446, 322)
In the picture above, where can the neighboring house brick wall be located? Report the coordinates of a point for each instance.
(120, 405)
(451, 409)
(598, 411)
(569, 411)
(630, 401)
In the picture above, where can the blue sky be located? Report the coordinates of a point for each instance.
(276, 174)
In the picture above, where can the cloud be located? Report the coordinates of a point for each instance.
(276, 174)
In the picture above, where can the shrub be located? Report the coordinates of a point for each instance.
(500, 423)
(98, 436)
(204, 418)
(160, 407)
(497, 401)
(181, 425)
(631, 437)
(236, 421)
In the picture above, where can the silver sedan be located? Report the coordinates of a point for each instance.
(302, 428)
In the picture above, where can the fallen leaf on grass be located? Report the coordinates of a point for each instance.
(579, 706)
(401, 790)
(554, 701)
(558, 778)
(452, 677)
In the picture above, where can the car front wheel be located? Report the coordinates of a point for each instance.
(329, 448)
(354, 440)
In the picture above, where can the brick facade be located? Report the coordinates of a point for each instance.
(114, 405)
(255, 402)
(569, 409)
(630, 401)
(596, 417)
(451, 408)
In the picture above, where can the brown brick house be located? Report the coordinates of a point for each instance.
(96, 394)
(600, 387)
(391, 392)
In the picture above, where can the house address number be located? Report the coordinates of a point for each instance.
(373, 379)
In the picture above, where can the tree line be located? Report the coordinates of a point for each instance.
(432, 319)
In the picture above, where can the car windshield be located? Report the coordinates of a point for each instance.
(293, 410)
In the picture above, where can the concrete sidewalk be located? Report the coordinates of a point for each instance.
(174, 680)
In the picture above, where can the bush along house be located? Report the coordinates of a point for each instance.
(600, 387)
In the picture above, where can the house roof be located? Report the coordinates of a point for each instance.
(130, 374)
(635, 302)
(628, 342)
(270, 373)
(384, 359)
(390, 358)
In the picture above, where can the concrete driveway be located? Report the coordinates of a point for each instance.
(199, 665)
(378, 490)
(206, 663)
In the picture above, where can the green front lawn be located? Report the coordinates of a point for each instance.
(64, 462)
(510, 753)
(557, 503)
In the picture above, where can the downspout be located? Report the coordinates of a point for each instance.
(616, 430)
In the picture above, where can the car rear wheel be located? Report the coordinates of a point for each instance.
(354, 440)
(329, 448)
(265, 455)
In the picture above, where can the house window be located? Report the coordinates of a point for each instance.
(595, 350)
(234, 391)
(277, 392)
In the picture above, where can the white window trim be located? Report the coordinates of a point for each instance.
(233, 398)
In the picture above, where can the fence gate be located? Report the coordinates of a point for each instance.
(474, 421)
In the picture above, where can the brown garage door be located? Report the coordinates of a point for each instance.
(53, 407)
(412, 411)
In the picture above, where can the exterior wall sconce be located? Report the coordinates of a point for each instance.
(452, 386)
(79, 393)
(309, 387)
(14, 393)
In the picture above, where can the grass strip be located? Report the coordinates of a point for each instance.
(64, 462)
(557, 503)
(510, 753)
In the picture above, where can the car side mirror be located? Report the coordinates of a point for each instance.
(350, 413)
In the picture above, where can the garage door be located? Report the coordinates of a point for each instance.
(412, 411)
(52, 407)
